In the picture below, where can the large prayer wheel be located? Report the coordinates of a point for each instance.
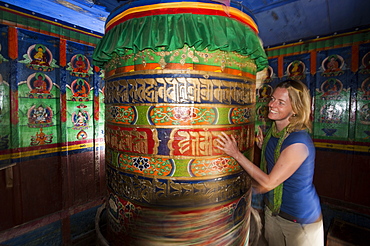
(177, 74)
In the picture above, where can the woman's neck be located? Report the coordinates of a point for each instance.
(281, 125)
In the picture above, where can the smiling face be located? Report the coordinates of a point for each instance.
(280, 108)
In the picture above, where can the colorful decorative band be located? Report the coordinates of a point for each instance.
(174, 8)
(13, 155)
(176, 141)
(150, 165)
(175, 115)
(186, 58)
(175, 192)
(339, 146)
(187, 87)
(182, 115)
(185, 66)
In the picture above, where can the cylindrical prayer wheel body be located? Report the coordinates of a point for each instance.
(177, 74)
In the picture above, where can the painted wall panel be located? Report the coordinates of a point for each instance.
(362, 108)
(332, 94)
(52, 127)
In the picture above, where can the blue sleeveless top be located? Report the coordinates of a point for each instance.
(299, 194)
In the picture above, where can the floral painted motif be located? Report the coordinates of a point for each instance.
(182, 115)
(241, 115)
(206, 167)
(121, 114)
(141, 163)
(146, 165)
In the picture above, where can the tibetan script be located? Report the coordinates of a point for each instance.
(135, 140)
(200, 142)
(179, 90)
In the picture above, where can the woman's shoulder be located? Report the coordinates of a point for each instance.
(302, 133)
(301, 136)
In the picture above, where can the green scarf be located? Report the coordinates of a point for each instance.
(282, 135)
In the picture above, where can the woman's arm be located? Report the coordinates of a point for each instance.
(289, 161)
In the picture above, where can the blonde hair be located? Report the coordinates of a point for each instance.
(300, 99)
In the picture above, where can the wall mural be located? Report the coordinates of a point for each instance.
(332, 95)
(4, 114)
(339, 82)
(41, 138)
(332, 66)
(362, 132)
(40, 85)
(40, 116)
(263, 96)
(79, 66)
(57, 97)
(296, 70)
(80, 119)
(80, 92)
(38, 92)
(40, 58)
(332, 111)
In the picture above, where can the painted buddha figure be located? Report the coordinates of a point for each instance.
(40, 57)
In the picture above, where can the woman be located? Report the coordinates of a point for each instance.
(292, 206)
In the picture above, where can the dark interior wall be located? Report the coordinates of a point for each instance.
(56, 187)
(342, 178)
(50, 185)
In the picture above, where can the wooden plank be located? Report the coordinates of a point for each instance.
(342, 233)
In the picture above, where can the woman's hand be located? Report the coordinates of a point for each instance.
(259, 137)
(228, 144)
